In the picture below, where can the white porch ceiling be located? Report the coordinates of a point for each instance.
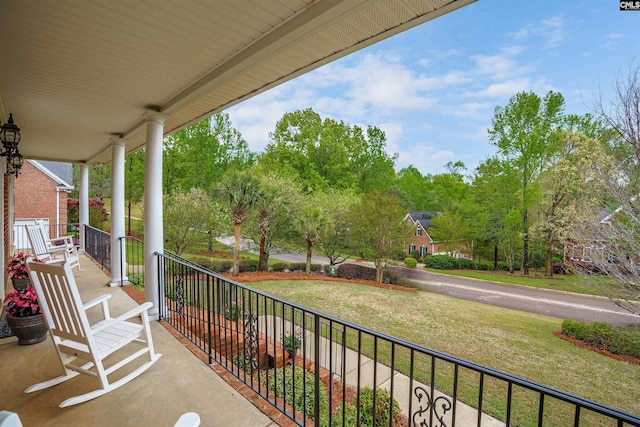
(76, 72)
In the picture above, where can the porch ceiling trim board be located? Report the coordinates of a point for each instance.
(75, 73)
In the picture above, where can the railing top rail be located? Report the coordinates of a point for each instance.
(135, 239)
(549, 391)
(97, 230)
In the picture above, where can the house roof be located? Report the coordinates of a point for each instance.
(423, 218)
(75, 74)
(60, 172)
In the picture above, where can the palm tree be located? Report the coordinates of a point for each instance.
(240, 191)
(310, 223)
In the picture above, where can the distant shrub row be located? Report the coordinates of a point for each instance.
(362, 272)
(224, 266)
(616, 339)
(446, 262)
(294, 266)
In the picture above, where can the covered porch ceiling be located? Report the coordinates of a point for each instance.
(75, 73)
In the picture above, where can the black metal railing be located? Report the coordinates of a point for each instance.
(97, 244)
(320, 370)
(133, 263)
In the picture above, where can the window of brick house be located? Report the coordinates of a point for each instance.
(418, 231)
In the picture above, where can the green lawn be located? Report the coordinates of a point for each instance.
(516, 342)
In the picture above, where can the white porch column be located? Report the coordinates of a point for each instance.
(118, 272)
(83, 208)
(153, 234)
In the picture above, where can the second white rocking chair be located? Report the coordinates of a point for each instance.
(76, 340)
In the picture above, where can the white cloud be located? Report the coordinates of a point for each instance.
(503, 89)
(611, 40)
(551, 31)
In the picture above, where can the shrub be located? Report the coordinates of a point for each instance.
(504, 266)
(440, 262)
(410, 262)
(280, 266)
(302, 266)
(356, 271)
(367, 254)
(616, 339)
(415, 254)
(465, 264)
(560, 268)
(97, 213)
(484, 265)
(296, 387)
(219, 266)
(384, 405)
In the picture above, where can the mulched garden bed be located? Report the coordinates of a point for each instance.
(261, 276)
(579, 343)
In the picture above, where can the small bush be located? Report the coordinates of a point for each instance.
(504, 266)
(356, 271)
(296, 387)
(384, 405)
(367, 254)
(484, 265)
(465, 264)
(415, 254)
(219, 266)
(302, 266)
(560, 268)
(410, 262)
(280, 266)
(440, 262)
(616, 339)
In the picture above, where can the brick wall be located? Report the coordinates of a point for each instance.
(419, 241)
(36, 196)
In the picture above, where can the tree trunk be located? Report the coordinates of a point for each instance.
(262, 263)
(236, 249)
(548, 269)
(525, 258)
(307, 268)
(495, 257)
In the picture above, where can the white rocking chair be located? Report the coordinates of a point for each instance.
(75, 339)
(59, 243)
(51, 254)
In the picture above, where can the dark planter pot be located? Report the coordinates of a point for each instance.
(20, 284)
(29, 330)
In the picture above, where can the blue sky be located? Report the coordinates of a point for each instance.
(433, 89)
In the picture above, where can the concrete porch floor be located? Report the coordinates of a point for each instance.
(179, 382)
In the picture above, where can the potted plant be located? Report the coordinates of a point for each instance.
(292, 342)
(17, 270)
(25, 317)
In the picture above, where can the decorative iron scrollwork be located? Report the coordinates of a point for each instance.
(180, 296)
(250, 339)
(440, 406)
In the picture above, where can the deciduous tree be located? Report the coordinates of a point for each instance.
(527, 132)
(378, 225)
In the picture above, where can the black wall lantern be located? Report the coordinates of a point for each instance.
(10, 138)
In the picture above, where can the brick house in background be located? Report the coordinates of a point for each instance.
(40, 193)
(422, 241)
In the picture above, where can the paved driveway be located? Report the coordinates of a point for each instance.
(564, 305)
(542, 301)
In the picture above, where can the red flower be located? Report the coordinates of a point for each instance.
(22, 303)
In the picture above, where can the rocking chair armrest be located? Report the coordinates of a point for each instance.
(135, 312)
(56, 249)
(101, 299)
